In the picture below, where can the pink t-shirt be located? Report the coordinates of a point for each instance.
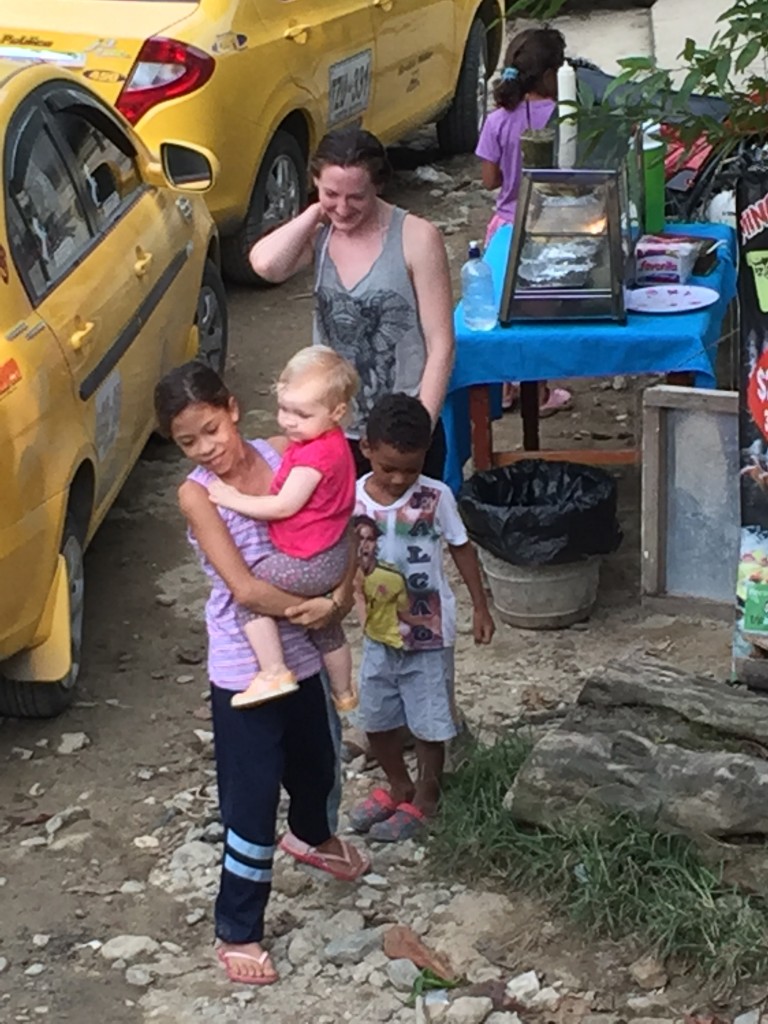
(500, 144)
(325, 517)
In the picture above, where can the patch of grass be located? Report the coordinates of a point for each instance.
(618, 879)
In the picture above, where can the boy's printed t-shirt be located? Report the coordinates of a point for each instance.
(408, 601)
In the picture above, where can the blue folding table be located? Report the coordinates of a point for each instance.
(678, 343)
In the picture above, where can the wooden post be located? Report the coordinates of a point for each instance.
(529, 411)
(480, 426)
(681, 379)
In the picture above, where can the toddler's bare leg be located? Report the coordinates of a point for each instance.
(274, 679)
(264, 637)
(338, 664)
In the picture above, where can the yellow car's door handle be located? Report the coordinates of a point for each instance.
(385, 5)
(143, 262)
(298, 33)
(79, 337)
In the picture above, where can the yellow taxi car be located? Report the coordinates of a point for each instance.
(257, 82)
(109, 277)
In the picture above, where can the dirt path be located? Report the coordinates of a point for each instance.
(139, 790)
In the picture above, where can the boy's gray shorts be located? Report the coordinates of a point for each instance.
(413, 688)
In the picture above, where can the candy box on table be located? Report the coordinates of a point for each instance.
(663, 259)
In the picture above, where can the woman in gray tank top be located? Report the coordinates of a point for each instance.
(382, 285)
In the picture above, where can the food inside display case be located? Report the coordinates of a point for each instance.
(566, 237)
(568, 247)
(549, 261)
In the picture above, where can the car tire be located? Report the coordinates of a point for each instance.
(24, 699)
(458, 130)
(279, 194)
(212, 319)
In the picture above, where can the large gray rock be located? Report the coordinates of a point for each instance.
(646, 683)
(579, 777)
(604, 757)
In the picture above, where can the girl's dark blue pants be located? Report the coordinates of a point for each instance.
(286, 741)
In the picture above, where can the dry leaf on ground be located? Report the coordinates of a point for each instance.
(402, 943)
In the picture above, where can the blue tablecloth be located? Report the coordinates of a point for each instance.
(546, 350)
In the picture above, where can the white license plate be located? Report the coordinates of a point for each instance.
(349, 86)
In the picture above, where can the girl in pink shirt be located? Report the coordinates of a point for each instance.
(309, 509)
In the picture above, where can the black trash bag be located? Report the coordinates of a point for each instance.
(542, 513)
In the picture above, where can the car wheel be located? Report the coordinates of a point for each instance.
(212, 319)
(23, 699)
(278, 196)
(459, 128)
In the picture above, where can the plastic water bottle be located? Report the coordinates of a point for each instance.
(480, 309)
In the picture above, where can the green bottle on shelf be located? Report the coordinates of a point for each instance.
(653, 178)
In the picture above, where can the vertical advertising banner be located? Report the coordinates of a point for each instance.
(750, 647)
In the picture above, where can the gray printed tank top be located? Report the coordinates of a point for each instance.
(374, 325)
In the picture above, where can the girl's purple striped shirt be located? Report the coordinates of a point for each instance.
(232, 663)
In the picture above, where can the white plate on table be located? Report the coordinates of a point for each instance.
(669, 298)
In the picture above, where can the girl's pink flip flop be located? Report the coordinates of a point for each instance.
(557, 400)
(346, 866)
(227, 956)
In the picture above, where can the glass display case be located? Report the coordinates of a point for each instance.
(574, 233)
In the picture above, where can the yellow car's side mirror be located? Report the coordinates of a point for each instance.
(191, 169)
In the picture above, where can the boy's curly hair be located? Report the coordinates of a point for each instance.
(400, 421)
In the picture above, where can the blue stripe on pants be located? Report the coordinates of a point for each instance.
(286, 740)
(237, 867)
(237, 844)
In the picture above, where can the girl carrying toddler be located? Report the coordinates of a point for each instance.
(525, 99)
(288, 743)
(308, 511)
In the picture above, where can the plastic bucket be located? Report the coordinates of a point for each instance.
(543, 596)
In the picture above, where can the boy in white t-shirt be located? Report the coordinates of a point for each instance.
(409, 615)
